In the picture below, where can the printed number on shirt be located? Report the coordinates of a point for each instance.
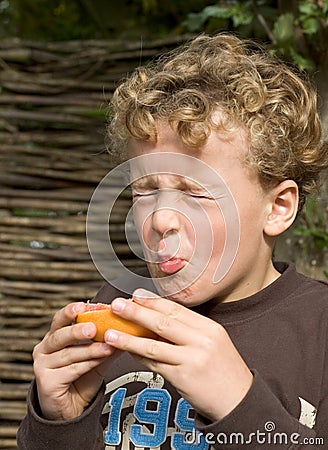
(147, 426)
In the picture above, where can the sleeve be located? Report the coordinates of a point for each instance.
(84, 432)
(259, 421)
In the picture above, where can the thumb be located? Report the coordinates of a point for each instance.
(89, 384)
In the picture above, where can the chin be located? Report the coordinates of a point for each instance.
(190, 296)
(178, 289)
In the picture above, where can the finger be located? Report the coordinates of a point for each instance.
(67, 336)
(73, 372)
(169, 308)
(66, 315)
(147, 348)
(161, 324)
(77, 353)
(166, 370)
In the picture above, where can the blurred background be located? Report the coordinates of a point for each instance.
(59, 64)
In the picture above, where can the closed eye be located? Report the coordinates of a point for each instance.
(200, 195)
(144, 193)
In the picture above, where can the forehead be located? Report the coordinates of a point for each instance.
(220, 148)
(222, 159)
(169, 169)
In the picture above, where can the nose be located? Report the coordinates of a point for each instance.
(165, 216)
(165, 220)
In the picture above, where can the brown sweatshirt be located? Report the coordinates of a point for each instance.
(281, 332)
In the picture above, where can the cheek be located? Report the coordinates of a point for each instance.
(143, 223)
(251, 202)
(252, 210)
(251, 225)
(226, 244)
(145, 230)
(219, 234)
(211, 240)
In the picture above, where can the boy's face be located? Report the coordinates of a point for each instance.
(202, 236)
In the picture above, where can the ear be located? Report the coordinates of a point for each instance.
(282, 209)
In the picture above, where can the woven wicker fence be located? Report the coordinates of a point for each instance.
(52, 111)
(52, 155)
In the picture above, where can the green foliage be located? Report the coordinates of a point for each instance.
(48, 19)
(239, 12)
(150, 5)
(83, 19)
(285, 43)
(229, 14)
(288, 29)
(312, 16)
(294, 33)
(313, 229)
(283, 28)
(6, 17)
(298, 34)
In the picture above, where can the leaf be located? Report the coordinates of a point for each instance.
(325, 6)
(310, 209)
(326, 273)
(321, 234)
(194, 21)
(320, 243)
(308, 9)
(240, 16)
(302, 231)
(302, 62)
(310, 25)
(283, 29)
(217, 11)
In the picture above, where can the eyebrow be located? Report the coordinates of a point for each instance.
(153, 182)
(144, 182)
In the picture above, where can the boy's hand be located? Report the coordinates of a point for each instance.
(194, 353)
(69, 372)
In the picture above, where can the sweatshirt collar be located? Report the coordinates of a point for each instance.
(256, 304)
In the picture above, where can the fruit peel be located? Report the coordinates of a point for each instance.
(104, 318)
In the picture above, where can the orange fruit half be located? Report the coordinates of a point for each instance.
(103, 317)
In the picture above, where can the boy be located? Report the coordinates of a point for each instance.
(241, 349)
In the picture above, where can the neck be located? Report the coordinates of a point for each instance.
(250, 286)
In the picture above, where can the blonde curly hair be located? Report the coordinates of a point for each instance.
(253, 90)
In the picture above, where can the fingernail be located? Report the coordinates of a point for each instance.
(78, 307)
(118, 305)
(88, 330)
(111, 336)
(143, 294)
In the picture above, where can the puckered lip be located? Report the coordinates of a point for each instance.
(166, 257)
(172, 265)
